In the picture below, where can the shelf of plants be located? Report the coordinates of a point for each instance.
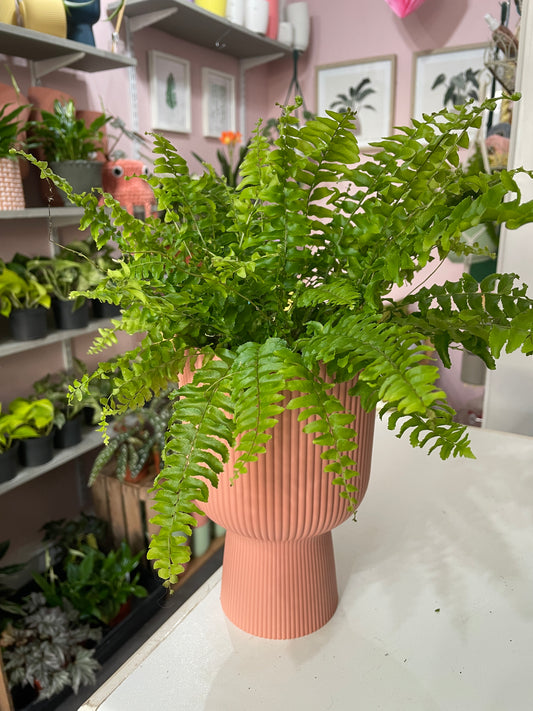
(10, 347)
(192, 23)
(91, 440)
(38, 46)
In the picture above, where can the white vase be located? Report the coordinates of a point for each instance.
(256, 15)
(235, 11)
(298, 16)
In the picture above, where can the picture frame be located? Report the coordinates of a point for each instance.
(449, 63)
(369, 85)
(218, 102)
(170, 92)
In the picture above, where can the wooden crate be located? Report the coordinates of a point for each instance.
(126, 506)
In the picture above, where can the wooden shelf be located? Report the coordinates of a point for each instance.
(91, 440)
(189, 22)
(10, 347)
(50, 53)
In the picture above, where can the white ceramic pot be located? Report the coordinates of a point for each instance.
(298, 16)
(235, 11)
(256, 16)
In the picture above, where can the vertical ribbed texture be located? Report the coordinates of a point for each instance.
(278, 577)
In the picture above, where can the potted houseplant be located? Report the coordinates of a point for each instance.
(47, 649)
(69, 144)
(69, 414)
(62, 275)
(276, 295)
(137, 442)
(24, 301)
(34, 421)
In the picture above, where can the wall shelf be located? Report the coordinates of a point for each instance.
(49, 53)
(91, 440)
(194, 24)
(9, 347)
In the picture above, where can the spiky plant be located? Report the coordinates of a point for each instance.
(292, 269)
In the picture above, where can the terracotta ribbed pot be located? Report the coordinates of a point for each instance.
(278, 575)
(11, 190)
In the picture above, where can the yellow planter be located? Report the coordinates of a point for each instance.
(217, 7)
(7, 12)
(46, 16)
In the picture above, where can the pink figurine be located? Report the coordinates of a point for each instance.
(131, 193)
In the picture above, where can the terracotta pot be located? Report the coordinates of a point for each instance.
(278, 576)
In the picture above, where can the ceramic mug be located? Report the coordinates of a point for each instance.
(256, 16)
(46, 16)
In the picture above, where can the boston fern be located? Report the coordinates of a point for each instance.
(265, 287)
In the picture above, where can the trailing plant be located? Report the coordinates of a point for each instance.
(95, 583)
(256, 287)
(47, 648)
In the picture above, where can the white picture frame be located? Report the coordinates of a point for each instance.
(375, 112)
(170, 92)
(218, 102)
(450, 62)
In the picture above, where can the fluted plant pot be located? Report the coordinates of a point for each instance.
(278, 575)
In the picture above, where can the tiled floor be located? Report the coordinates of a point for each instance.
(168, 606)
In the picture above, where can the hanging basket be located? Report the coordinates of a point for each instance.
(11, 190)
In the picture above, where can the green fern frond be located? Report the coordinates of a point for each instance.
(257, 390)
(200, 432)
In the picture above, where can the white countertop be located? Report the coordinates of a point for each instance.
(436, 609)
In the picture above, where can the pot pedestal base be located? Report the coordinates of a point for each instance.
(279, 590)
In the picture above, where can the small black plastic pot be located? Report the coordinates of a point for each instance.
(9, 462)
(67, 316)
(102, 309)
(36, 450)
(28, 324)
(70, 434)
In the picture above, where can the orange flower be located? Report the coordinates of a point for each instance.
(230, 138)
